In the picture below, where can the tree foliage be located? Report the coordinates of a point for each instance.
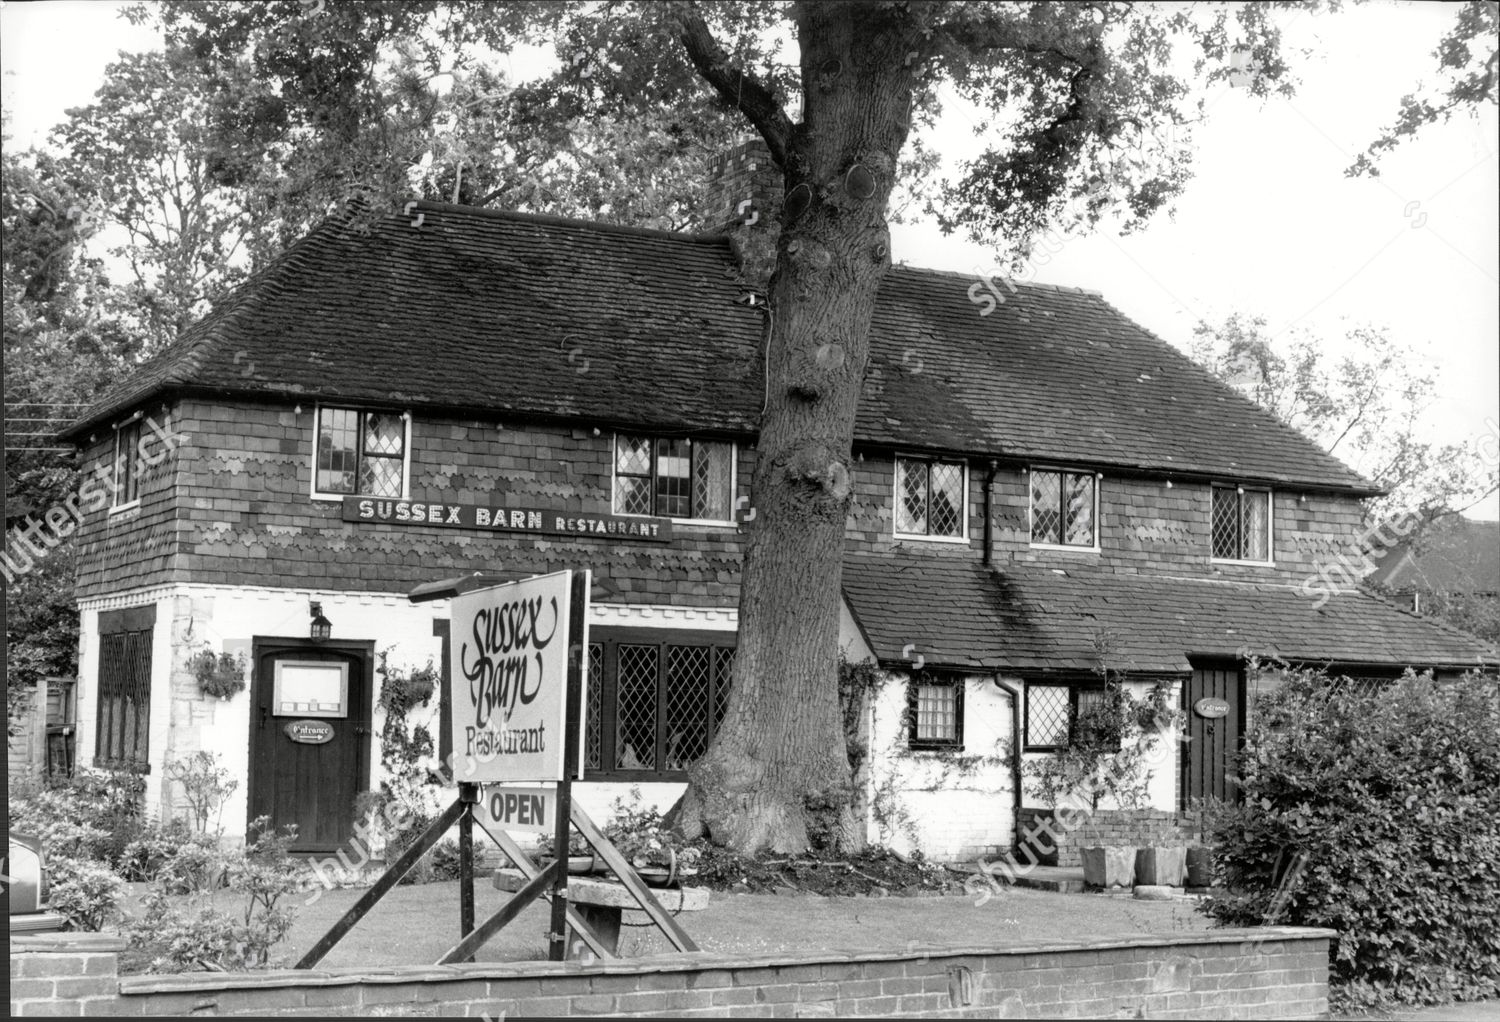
(1364, 406)
(1392, 800)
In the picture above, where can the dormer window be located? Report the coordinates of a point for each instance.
(127, 464)
(930, 499)
(360, 453)
(1241, 528)
(1064, 508)
(674, 477)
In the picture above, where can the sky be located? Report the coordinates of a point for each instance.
(1269, 226)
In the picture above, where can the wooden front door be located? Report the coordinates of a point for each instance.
(310, 737)
(1209, 755)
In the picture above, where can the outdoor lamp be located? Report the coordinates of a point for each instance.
(321, 628)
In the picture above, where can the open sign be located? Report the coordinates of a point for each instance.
(1211, 708)
(531, 810)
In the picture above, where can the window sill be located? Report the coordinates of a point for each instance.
(1065, 547)
(120, 509)
(1248, 564)
(957, 540)
(930, 746)
(339, 498)
(707, 523)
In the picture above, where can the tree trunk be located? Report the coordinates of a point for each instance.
(776, 775)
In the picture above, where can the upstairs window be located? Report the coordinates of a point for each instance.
(1241, 526)
(128, 464)
(935, 707)
(674, 478)
(1063, 508)
(930, 498)
(360, 453)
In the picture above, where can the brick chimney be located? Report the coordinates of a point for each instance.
(745, 203)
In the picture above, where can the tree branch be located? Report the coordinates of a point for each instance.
(740, 88)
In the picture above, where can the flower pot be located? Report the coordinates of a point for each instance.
(1108, 866)
(1161, 866)
(1199, 867)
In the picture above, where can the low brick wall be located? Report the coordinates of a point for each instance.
(1130, 828)
(1279, 972)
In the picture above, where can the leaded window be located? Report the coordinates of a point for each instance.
(929, 498)
(674, 477)
(1060, 715)
(128, 464)
(1062, 508)
(935, 706)
(360, 453)
(123, 724)
(1241, 524)
(655, 700)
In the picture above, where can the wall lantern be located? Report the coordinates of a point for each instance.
(321, 628)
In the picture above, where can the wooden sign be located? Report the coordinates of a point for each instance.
(499, 518)
(309, 732)
(509, 678)
(530, 809)
(1210, 708)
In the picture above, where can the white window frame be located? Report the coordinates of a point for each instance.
(312, 484)
(344, 712)
(614, 476)
(135, 459)
(963, 518)
(1031, 510)
(1270, 523)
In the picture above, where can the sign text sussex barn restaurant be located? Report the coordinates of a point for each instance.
(537, 521)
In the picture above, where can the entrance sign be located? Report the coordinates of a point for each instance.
(530, 809)
(309, 732)
(1211, 708)
(509, 679)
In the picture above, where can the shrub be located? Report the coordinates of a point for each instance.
(87, 893)
(93, 815)
(1393, 798)
(191, 934)
(206, 786)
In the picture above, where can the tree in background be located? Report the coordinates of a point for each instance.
(1364, 406)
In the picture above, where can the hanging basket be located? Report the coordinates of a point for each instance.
(220, 675)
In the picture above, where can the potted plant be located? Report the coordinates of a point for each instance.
(661, 857)
(580, 853)
(219, 674)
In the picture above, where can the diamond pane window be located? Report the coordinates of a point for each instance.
(688, 683)
(635, 710)
(936, 713)
(1062, 508)
(360, 453)
(1240, 524)
(593, 754)
(723, 664)
(674, 478)
(1048, 716)
(929, 498)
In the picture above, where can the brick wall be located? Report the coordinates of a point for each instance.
(1126, 828)
(1269, 973)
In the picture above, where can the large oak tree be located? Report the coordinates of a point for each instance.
(1083, 109)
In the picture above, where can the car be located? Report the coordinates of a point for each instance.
(26, 880)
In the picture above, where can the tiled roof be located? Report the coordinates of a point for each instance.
(1452, 555)
(483, 311)
(961, 615)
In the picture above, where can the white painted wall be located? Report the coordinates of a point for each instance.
(1161, 762)
(951, 804)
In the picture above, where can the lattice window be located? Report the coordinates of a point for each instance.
(1062, 508)
(689, 680)
(1240, 524)
(1048, 716)
(723, 667)
(936, 709)
(128, 464)
(635, 707)
(674, 478)
(360, 453)
(124, 721)
(593, 755)
(929, 498)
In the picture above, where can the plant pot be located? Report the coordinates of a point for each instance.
(577, 864)
(1108, 866)
(1199, 867)
(1161, 866)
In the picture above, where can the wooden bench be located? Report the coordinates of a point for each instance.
(600, 903)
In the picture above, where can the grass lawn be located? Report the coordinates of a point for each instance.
(415, 925)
